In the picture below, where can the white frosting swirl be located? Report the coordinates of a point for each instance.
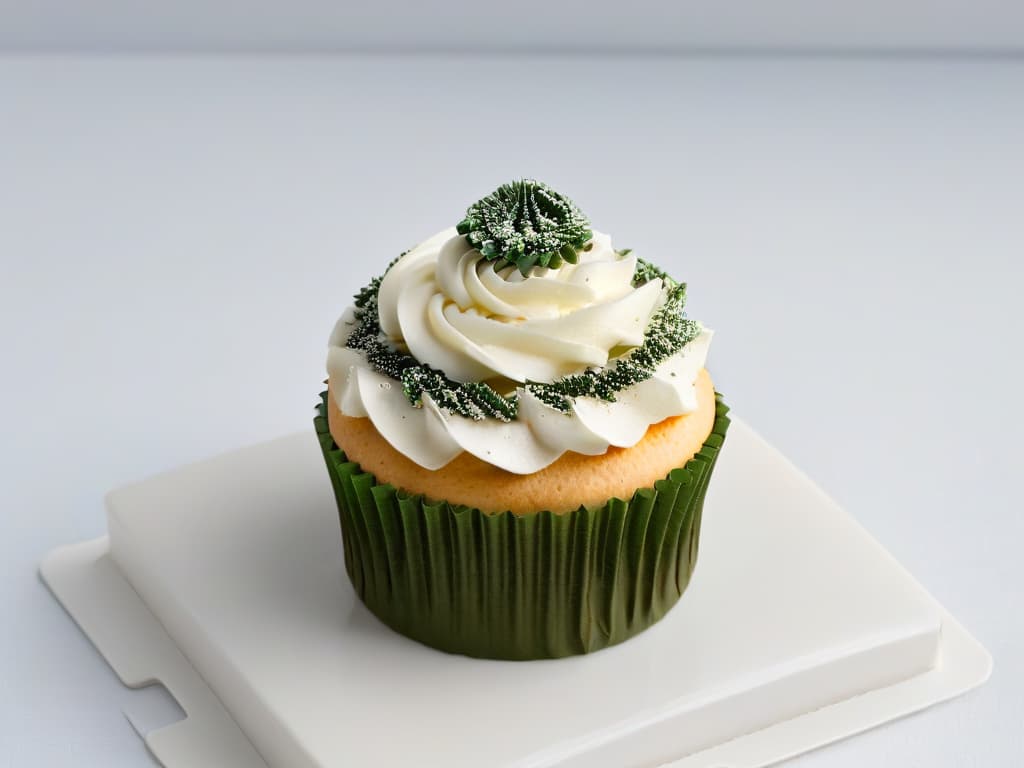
(449, 308)
(453, 311)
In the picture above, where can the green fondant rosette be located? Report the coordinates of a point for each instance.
(520, 586)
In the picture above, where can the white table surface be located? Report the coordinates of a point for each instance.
(177, 236)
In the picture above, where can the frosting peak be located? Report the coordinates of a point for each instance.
(453, 309)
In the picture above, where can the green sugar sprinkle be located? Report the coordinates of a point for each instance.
(528, 224)
(667, 333)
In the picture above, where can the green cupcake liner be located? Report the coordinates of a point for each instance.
(520, 586)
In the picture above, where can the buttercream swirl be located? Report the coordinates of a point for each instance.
(448, 307)
(451, 309)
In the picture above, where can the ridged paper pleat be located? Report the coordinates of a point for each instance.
(530, 586)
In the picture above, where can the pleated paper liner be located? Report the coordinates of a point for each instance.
(531, 586)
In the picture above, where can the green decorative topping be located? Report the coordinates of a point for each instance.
(528, 224)
(667, 333)
(645, 271)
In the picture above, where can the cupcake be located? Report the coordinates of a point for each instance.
(520, 430)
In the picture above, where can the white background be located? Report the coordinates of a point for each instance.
(178, 234)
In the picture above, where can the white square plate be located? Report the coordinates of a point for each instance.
(224, 580)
